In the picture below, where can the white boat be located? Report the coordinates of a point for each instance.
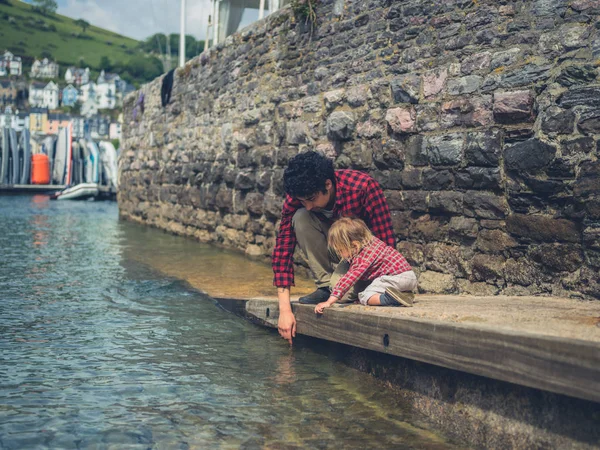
(108, 156)
(4, 151)
(81, 191)
(60, 157)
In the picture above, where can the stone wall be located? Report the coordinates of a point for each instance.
(479, 118)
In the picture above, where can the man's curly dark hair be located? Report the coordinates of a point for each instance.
(307, 173)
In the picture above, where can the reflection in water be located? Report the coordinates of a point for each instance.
(215, 271)
(99, 351)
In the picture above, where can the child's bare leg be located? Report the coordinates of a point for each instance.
(374, 300)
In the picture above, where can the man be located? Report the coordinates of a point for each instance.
(315, 196)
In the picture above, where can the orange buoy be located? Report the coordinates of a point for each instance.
(40, 169)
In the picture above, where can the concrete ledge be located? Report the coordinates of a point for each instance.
(537, 352)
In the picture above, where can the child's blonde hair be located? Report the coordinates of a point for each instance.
(344, 232)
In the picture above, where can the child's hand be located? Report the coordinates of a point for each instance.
(321, 306)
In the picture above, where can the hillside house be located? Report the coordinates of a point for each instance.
(14, 119)
(37, 120)
(10, 65)
(43, 95)
(44, 69)
(55, 122)
(79, 127)
(77, 77)
(114, 131)
(8, 93)
(69, 95)
(99, 126)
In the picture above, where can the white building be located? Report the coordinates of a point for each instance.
(43, 95)
(114, 131)
(76, 76)
(19, 121)
(79, 127)
(10, 65)
(44, 69)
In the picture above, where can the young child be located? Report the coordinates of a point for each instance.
(370, 259)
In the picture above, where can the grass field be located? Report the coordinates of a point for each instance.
(29, 34)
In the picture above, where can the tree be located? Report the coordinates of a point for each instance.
(105, 64)
(45, 7)
(82, 24)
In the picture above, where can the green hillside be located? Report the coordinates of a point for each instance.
(30, 34)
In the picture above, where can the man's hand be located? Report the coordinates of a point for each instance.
(287, 326)
(287, 322)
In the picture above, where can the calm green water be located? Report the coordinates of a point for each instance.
(99, 351)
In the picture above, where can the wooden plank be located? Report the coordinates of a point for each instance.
(560, 365)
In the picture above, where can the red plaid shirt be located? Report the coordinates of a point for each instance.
(373, 261)
(356, 195)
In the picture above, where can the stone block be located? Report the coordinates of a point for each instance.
(341, 125)
(359, 154)
(505, 58)
(445, 150)
(483, 149)
(559, 121)
(487, 267)
(464, 85)
(387, 179)
(522, 272)
(463, 227)
(401, 221)
(389, 155)
(540, 228)
(437, 180)
(224, 198)
(254, 203)
(588, 182)
(579, 146)
(446, 202)
(529, 155)
(272, 206)
(369, 129)
(245, 180)
(405, 89)
(429, 228)
(589, 122)
(436, 283)
(525, 76)
(494, 241)
(428, 117)
(557, 257)
(414, 253)
(477, 288)
(416, 151)
(573, 35)
(401, 120)
(485, 206)
(513, 107)
(296, 132)
(411, 178)
(580, 96)
(445, 258)
(574, 75)
(434, 81)
(474, 63)
(334, 98)
(358, 95)
(479, 178)
(467, 112)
